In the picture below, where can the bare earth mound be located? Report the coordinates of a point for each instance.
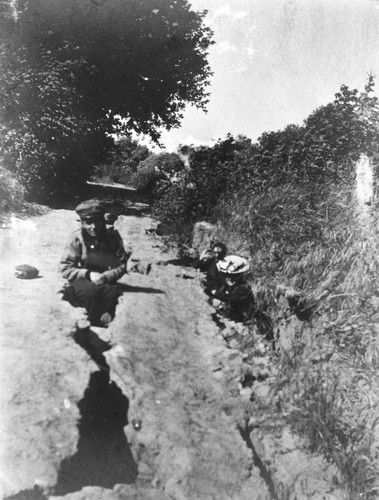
(148, 408)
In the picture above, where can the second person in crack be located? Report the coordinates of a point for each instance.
(235, 293)
(208, 263)
(93, 261)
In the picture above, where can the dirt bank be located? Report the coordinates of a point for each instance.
(158, 406)
(68, 396)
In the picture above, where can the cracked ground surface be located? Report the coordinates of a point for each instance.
(147, 409)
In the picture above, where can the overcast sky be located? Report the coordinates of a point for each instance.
(275, 61)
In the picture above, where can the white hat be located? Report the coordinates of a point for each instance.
(233, 264)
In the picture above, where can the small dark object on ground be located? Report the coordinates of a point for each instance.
(185, 276)
(139, 266)
(26, 272)
(105, 319)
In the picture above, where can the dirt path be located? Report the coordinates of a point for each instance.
(148, 409)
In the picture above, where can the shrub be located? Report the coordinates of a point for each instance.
(11, 191)
(111, 172)
(122, 161)
(193, 193)
(146, 178)
(156, 173)
(323, 150)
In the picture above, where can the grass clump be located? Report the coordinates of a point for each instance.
(11, 191)
(329, 402)
(12, 198)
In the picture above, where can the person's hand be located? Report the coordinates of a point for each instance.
(97, 278)
(101, 281)
(206, 254)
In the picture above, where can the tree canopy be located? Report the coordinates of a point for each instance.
(71, 69)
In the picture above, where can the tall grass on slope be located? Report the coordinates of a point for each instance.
(310, 239)
(305, 236)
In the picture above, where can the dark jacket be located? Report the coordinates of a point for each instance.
(213, 277)
(105, 255)
(238, 299)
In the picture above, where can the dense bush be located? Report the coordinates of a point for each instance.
(11, 191)
(121, 162)
(146, 179)
(44, 145)
(323, 150)
(194, 193)
(157, 173)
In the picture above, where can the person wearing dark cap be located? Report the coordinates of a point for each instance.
(93, 261)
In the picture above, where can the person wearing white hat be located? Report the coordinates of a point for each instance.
(235, 292)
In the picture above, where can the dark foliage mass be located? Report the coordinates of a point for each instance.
(323, 149)
(70, 69)
(158, 173)
(121, 162)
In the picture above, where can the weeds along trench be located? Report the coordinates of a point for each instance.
(313, 253)
(278, 428)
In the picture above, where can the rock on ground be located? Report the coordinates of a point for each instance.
(202, 236)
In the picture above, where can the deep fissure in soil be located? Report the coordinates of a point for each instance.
(265, 328)
(265, 473)
(103, 456)
(34, 494)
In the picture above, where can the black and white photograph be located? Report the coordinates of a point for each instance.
(189, 250)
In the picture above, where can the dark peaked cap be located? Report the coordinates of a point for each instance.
(89, 208)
